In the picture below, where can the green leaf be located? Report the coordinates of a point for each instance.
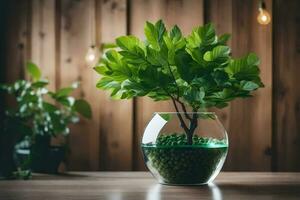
(129, 43)
(221, 78)
(244, 68)
(118, 68)
(157, 58)
(194, 40)
(249, 85)
(170, 49)
(152, 78)
(222, 40)
(66, 101)
(114, 57)
(224, 95)
(219, 53)
(33, 71)
(49, 107)
(154, 34)
(105, 46)
(134, 87)
(207, 34)
(183, 62)
(175, 33)
(252, 59)
(133, 58)
(83, 107)
(63, 92)
(101, 69)
(40, 83)
(107, 83)
(221, 105)
(161, 29)
(165, 116)
(194, 96)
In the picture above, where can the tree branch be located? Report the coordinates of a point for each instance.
(178, 95)
(183, 125)
(193, 126)
(184, 109)
(173, 76)
(193, 120)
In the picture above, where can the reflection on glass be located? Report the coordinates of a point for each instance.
(216, 192)
(176, 157)
(154, 192)
(116, 195)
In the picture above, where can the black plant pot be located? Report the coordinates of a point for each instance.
(49, 162)
(41, 157)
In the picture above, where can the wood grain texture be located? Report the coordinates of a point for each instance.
(116, 117)
(43, 42)
(191, 15)
(286, 88)
(249, 122)
(17, 39)
(141, 185)
(75, 39)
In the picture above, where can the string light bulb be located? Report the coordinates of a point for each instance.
(92, 55)
(263, 17)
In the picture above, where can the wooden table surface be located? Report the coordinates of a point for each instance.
(141, 185)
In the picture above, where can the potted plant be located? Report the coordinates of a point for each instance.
(196, 73)
(38, 115)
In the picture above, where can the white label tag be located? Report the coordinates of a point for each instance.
(153, 128)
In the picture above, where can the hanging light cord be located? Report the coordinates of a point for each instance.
(41, 30)
(261, 5)
(92, 23)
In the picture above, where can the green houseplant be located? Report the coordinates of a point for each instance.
(195, 72)
(37, 115)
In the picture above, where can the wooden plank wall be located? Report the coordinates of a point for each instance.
(286, 138)
(75, 35)
(57, 33)
(116, 117)
(254, 115)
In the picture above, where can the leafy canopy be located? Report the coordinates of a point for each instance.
(39, 111)
(197, 70)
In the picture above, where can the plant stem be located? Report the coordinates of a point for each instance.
(193, 126)
(193, 120)
(174, 79)
(183, 125)
(184, 109)
(189, 131)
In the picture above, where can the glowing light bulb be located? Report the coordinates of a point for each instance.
(92, 55)
(263, 17)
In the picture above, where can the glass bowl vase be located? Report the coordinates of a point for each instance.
(184, 148)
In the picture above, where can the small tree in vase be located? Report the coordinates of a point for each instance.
(195, 73)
